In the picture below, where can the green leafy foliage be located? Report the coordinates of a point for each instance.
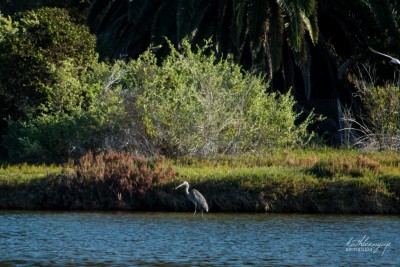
(47, 64)
(35, 49)
(194, 104)
(75, 7)
(190, 104)
(57, 137)
(48, 138)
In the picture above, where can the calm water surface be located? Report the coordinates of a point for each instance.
(176, 239)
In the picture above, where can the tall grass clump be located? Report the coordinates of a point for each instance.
(378, 128)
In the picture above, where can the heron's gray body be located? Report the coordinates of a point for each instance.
(196, 197)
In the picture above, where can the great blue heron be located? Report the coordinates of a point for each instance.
(393, 60)
(196, 197)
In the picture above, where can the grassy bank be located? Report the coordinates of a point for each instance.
(323, 181)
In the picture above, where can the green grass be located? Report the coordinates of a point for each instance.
(323, 164)
(331, 180)
(24, 173)
(256, 171)
(320, 180)
(297, 171)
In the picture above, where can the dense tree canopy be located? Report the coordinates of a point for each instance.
(255, 32)
(36, 49)
(299, 43)
(34, 46)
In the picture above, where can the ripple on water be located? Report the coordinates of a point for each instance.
(176, 239)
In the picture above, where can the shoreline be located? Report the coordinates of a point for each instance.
(334, 198)
(294, 181)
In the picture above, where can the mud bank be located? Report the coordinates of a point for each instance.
(59, 193)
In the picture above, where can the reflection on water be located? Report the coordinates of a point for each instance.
(176, 239)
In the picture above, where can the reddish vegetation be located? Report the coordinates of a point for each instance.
(122, 173)
(106, 181)
(113, 180)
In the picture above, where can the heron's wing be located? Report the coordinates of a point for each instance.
(379, 53)
(199, 199)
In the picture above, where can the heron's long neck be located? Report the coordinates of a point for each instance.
(187, 190)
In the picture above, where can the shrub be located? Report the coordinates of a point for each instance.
(46, 61)
(191, 104)
(57, 137)
(115, 179)
(34, 46)
(194, 104)
(97, 120)
(140, 173)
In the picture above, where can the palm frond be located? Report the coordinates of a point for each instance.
(295, 29)
(311, 23)
(113, 33)
(199, 17)
(164, 24)
(136, 9)
(98, 9)
(223, 20)
(308, 7)
(207, 30)
(276, 37)
(238, 25)
(286, 5)
(184, 14)
(114, 12)
(383, 14)
(257, 17)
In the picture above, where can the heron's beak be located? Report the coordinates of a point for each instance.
(179, 186)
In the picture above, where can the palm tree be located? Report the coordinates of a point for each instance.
(254, 31)
(288, 40)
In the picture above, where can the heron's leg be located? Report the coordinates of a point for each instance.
(202, 214)
(195, 209)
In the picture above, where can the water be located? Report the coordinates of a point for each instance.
(176, 239)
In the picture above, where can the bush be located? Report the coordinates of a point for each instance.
(34, 47)
(77, 7)
(46, 61)
(137, 173)
(191, 104)
(57, 137)
(45, 138)
(114, 180)
(194, 104)
(99, 120)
